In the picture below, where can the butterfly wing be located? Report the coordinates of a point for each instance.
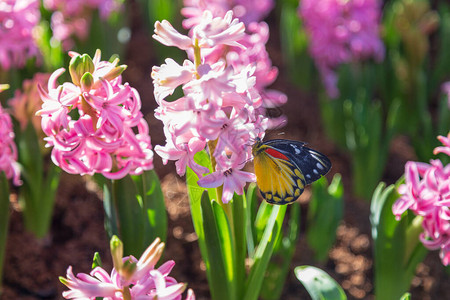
(278, 178)
(311, 163)
(283, 168)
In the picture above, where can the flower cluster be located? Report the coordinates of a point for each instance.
(8, 149)
(426, 193)
(27, 102)
(94, 123)
(18, 18)
(254, 41)
(341, 32)
(219, 107)
(130, 279)
(73, 17)
(246, 11)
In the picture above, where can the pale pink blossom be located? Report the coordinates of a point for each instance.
(249, 50)
(341, 32)
(18, 18)
(213, 31)
(229, 176)
(220, 108)
(426, 192)
(8, 149)
(169, 36)
(247, 11)
(138, 279)
(169, 76)
(110, 135)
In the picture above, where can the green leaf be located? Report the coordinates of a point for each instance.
(406, 296)
(153, 206)
(239, 205)
(395, 254)
(264, 251)
(326, 210)
(96, 261)
(195, 193)
(280, 263)
(251, 217)
(220, 285)
(319, 284)
(130, 215)
(39, 187)
(111, 221)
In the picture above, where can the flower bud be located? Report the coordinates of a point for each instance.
(115, 72)
(87, 82)
(79, 65)
(116, 246)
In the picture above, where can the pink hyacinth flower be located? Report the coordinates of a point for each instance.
(443, 149)
(426, 192)
(129, 279)
(250, 49)
(110, 135)
(247, 11)
(341, 32)
(8, 149)
(18, 18)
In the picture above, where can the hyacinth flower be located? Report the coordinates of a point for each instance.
(209, 134)
(219, 107)
(426, 192)
(130, 279)
(9, 170)
(408, 219)
(256, 36)
(40, 181)
(73, 18)
(94, 125)
(18, 19)
(341, 32)
(246, 11)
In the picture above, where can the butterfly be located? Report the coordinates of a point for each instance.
(283, 168)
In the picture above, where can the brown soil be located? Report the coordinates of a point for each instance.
(32, 266)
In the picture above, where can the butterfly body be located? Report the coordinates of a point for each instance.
(283, 168)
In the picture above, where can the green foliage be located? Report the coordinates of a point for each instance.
(326, 210)
(135, 211)
(319, 284)
(96, 261)
(231, 234)
(40, 182)
(279, 265)
(294, 43)
(397, 249)
(361, 125)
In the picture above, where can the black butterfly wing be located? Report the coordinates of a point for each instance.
(311, 163)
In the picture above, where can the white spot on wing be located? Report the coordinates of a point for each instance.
(297, 151)
(315, 172)
(320, 166)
